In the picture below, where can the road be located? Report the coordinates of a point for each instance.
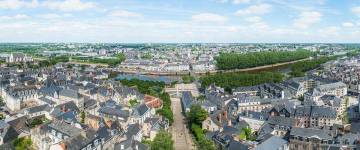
(180, 133)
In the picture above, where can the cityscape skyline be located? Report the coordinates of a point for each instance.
(161, 21)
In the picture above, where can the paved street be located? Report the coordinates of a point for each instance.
(180, 133)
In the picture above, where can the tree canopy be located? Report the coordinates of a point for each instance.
(22, 143)
(247, 134)
(237, 79)
(162, 141)
(197, 114)
(298, 69)
(227, 61)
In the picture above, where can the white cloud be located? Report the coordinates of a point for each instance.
(241, 1)
(256, 22)
(50, 16)
(124, 13)
(209, 17)
(16, 4)
(356, 10)
(258, 9)
(329, 31)
(307, 18)
(18, 16)
(348, 24)
(69, 5)
(221, 1)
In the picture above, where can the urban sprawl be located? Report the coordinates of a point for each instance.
(79, 96)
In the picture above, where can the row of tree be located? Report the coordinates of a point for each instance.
(227, 61)
(162, 141)
(188, 79)
(300, 68)
(234, 80)
(196, 116)
(110, 61)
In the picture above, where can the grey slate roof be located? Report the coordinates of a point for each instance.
(8, 133)
(68, 106)
(68, 117)
(131, 144)
(64, 128)
(69, 93)
(140, 110)
(236, 145)
(324, 112)
(315, 111)
(132, 130)
(81, 140)
(282, 121)
(330, 86)
(111, 108)
(272, 143)
(46, 100)
(186, 99)
(255, 115)
(331, 100)
(39, 108)
(311, 133)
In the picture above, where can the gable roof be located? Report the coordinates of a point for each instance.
(311, 133)
(141, 109)
(70, 93)
(272, 143)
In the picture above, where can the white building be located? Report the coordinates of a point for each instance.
(18, 57)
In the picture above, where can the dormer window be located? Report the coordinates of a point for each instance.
(96, 142)
(89, 147)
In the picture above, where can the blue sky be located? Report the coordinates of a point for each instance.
(125, 21)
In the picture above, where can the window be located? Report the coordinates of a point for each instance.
(88, 147)
(96, 142)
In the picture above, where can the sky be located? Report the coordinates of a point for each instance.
(180, 21)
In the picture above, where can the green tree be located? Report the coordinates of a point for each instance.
(188, 79)
(2, 103)
(22, 143)
(237, 79)
(227, 61)
(162, 141)
(197, 114)
(133, 102)
(301, 98)
(298, 69)
(201, 141)
(35, 122)
(206, 144)
(247, 134)
(82, 117)
(69, 66)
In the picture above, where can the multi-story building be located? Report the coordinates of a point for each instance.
(16, 97)
(18, 57)
(316, 116)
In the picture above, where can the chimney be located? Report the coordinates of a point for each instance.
(219, 118)
(63, 108)
(108, 123)
(225, 114)
(122, 147)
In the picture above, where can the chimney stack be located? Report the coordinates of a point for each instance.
(219, 117)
